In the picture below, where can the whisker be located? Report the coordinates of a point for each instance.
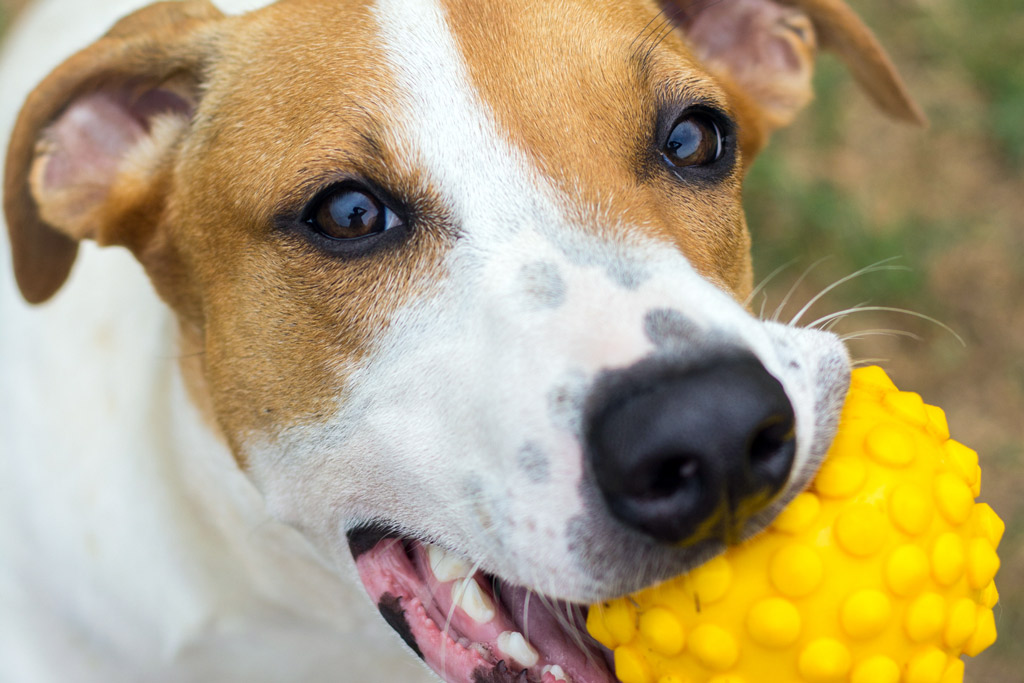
(451, 613)
(578, 638)
(659, 35)
(565, 622)
(646, 26)
(873, 268)
(526, 614)
(666, 26)
(796, 285)
(859, 363)
(887, 309)
(765, 282)
(391, 543)
(881, 332)
(829, 326)
(496, 589)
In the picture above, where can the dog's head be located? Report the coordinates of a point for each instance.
(465, 281)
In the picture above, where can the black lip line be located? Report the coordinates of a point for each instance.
(364, 538)
(391, 609)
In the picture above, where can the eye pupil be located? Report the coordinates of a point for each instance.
(685, 139)
(695, 140)
(349, 214)
(355, 218)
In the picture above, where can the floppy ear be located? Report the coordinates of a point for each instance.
(766, 49)
(91, 150)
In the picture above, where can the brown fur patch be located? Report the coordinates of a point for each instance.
(589, 83)
(282, 321)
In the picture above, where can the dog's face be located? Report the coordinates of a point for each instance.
(462, 273)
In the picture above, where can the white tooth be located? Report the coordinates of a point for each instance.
(515, 646)
(473, 601)
(556, 671)
(446, 567)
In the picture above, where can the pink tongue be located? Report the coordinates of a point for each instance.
(419, 607)
(550, 627)
(545, 623)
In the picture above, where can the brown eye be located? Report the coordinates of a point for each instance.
(350, 213)
(695, 140)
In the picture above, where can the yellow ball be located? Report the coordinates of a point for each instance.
(881, 572)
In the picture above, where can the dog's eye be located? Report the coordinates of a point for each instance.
(348, 213)
(695, 140)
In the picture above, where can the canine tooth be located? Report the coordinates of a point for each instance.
(473, 601)
(515, 646)
(556, 671)
(446, 567)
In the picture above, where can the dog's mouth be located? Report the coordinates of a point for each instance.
(471, 627)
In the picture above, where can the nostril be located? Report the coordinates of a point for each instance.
(674, 475)
(772, 448)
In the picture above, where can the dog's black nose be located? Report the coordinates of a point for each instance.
(694, 453)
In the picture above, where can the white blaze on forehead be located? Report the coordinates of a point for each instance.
(487, 182)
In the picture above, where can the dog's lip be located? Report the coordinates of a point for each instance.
(396, 573)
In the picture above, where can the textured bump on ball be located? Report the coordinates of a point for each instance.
(796, 570)
(865, 613)
(774, 622)
(825, 660)
(799, 514)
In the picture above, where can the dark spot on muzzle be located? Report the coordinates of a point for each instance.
(533, 461)
(391, 609)
(543, 284)
(669, 328)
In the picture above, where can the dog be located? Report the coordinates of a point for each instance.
(428, 323)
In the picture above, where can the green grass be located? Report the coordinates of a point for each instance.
(802, 222)
(798, 218)
(982, 39)
(988, 41)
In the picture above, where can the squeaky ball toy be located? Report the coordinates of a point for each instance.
(881, 572)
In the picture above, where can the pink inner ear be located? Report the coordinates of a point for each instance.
(90, 138)
(743, 34)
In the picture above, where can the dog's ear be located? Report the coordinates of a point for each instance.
(766, 49)
(92, 145)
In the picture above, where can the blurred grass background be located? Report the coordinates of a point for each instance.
(844, 188)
